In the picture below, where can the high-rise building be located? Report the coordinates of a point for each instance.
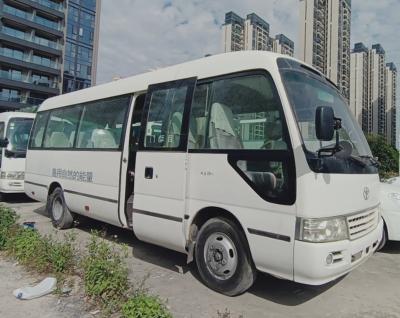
(373, 91)
(325, 39)
(377, 123)
(256, 33)
(31, 50)
(33, 34)
(233, 32)
(282, 44)
(359, 84)
(391, 85)
(252, 33)
(82, 41)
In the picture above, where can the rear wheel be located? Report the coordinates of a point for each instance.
(223, 257)
(59, 213)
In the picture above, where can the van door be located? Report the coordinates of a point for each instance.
(161, 164)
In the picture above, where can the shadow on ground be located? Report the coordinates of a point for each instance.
(391, 247)
(276, 290)
(15, 198)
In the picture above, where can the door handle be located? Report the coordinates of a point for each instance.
(148, 172)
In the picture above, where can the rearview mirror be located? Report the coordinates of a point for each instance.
(324, 123)
(3, 143)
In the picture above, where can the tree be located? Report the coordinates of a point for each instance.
(387, 155)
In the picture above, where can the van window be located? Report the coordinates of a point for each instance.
(61, 128)
(102, 124)
(164, 121)
(237, 113)
(38, 129)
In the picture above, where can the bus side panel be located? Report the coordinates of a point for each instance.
(90, 180)
(269, 228)
(159, 200)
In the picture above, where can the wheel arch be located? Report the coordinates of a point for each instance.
(201, 217)
(54, 185)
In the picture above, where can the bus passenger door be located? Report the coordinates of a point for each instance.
(160, 174)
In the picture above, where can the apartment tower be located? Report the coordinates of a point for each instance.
(252, 33)
(373, 91)
(391, 85)
(35, 62)
(325, 39)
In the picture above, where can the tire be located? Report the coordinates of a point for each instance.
(384, 238)
(223, 257)
(2, 197)
(58, 211)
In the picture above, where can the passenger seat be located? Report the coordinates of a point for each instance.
(102, 138)
(222, 133)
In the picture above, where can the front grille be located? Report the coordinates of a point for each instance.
(362, 223)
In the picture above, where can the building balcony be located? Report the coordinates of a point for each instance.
(32, 21)
(53, 8)
(17, 102)
(29, 62)
(19, 81)
(33, 42)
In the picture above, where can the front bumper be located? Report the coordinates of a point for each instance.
(11, 186)
(310, 266)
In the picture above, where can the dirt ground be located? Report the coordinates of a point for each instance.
(372, 290)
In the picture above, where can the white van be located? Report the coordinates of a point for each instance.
(244, 161)
(14, 135)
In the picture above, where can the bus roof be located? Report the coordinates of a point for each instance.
(6, 116)
(202, 68)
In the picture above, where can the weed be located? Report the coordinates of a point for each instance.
(8, 219)
(105, 275)
(143, 306)
(43, 254)
(225, 314)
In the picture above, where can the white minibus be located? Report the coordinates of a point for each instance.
(244, 161)
(14, 135)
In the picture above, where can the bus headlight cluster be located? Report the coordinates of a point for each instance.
(13, 175)
(322, 230)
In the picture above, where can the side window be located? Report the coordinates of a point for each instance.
(38, 129)
(164, 121)
(241, 113)
(102, 124)
(61, 128)
(1, 129)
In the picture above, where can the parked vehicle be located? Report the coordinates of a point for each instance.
(390, 202)
(14, 135)
(244, 161)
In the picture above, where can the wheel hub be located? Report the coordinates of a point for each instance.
(57, 209)
(220, 256)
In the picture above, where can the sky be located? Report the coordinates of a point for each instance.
(140, 35)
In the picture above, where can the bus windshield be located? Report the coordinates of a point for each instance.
(18, 136)
(308, 90)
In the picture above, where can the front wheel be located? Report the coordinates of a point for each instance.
(60, 215)
(223, 258)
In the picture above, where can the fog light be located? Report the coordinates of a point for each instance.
(329, 259)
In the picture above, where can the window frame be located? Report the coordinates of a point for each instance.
(82, 105)
(235, 155)
(191, 83)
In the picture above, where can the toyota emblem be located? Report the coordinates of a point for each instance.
(366, 193)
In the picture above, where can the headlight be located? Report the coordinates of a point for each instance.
(322, 230)
(394, 196)
(13, 175)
